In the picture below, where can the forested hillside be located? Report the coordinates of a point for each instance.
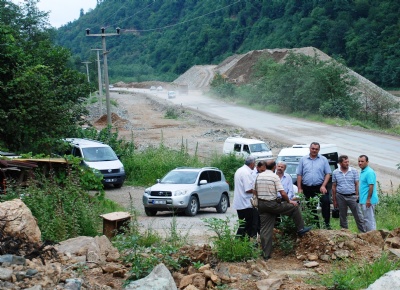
(162, 39)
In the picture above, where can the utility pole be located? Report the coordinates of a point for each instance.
(87, 73)
(107, 84)
(100, 82)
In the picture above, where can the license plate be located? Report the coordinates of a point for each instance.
(159, 202)
(111, 180)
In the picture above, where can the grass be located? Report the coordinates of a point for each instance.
(349, 275)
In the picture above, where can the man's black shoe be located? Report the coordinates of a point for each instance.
(303, 231)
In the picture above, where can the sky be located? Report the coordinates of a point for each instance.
(63, 11)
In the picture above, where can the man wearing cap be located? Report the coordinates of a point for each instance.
(243, 191)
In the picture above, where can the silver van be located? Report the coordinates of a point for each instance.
(101, 157)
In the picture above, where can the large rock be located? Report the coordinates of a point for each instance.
(159, 279)
(19, 221)
(391, 280)
(97, 249)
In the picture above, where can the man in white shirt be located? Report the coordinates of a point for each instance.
(243, 191)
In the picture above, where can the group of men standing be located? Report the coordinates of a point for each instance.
(274, 190)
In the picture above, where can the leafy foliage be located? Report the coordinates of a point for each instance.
(227, 246)
(62, 206)
(165, 38)
(41, 96)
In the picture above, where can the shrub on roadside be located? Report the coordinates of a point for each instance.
(61, 203)
(144, 167)
(226, 245)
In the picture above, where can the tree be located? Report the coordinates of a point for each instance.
(42, 99)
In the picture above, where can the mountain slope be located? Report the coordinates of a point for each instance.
(162, 39)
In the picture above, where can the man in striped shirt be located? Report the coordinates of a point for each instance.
(267, 186)
(345, 193)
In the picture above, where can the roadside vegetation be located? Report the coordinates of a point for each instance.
(310, 88)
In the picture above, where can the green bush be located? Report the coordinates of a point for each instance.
(62, 207)
(144, 167)
(226, 245)
(387, 211)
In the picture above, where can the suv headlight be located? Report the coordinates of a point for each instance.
(147, 191)
(180, 192)
(122, 170)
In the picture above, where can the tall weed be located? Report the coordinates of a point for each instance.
(227, 246)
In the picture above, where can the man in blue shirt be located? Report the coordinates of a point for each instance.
(313, 174)
(368, 193)
(286, 179)
(345, 193)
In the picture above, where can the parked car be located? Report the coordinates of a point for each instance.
(188, 189)
(171, 94)
(152, 88)
(99, 156)
(159, 88)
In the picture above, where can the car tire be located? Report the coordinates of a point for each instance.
(222, 207)
(150, 212)
(193, 206)
(118, 185)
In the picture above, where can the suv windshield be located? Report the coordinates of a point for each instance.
(94, 154)
(180, 177)
(260, 147)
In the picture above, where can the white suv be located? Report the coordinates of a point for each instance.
(188, 189)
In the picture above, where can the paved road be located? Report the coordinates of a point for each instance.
(383, 150)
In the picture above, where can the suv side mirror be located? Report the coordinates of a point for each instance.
(203, 182)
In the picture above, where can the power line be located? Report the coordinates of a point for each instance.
(179, 23)
(163, 27)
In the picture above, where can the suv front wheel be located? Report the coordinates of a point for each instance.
(193, 206)
(150, 212)
(223, 204)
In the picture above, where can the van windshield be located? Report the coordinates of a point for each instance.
(95, 154)
(260, 147)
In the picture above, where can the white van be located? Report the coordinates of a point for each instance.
(292, 155)
(99, 156)
(245, 147)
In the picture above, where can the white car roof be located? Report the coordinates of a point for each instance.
(244, 140)
(85, 143)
